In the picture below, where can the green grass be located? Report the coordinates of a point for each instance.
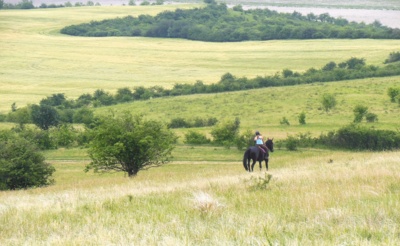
(37, 61)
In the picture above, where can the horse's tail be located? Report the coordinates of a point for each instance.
(246, 158)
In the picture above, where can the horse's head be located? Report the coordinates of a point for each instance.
(270, 144)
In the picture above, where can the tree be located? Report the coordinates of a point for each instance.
(21, 165)
(44, 116)
(328, 101)
(129, 144)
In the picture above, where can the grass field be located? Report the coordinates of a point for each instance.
(37, 61)
(313, 198)
(203, 197)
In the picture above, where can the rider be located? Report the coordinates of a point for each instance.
(260, 142)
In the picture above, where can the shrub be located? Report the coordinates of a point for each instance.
(193, 137)
(63, 135)
(359, 112)
(245, 140)
(21, 165)
(393, 93)
(393, 57)
(226, 133)
(291, 143)
(371, 117)
(361, 138)
(328, 101)
(302, 118)
(284, 121)
(259, 183)
(178, 123)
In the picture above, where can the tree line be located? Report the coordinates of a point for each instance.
(218, 23)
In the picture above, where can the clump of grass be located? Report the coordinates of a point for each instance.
(259, 183)
(205, 203)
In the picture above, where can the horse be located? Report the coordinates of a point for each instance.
(256, 154)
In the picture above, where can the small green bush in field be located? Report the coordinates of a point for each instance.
(21, 165)
(284, 121)
(371, 117)
(193, 137)
(259, 183)
(302, 118)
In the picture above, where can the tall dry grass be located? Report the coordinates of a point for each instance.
(329, 198)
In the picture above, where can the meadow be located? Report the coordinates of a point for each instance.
(204, 196)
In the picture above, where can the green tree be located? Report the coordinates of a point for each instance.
(44, 116)
(328, 101)
(21, 165)
(129, 144)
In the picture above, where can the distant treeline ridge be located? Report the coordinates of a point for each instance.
(217, 23)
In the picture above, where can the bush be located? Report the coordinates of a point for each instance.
(21, 165)
(393, 57)
(393, 93)
(302, 118)
(226, 133)
(359, 112)
(41, 138)
(284, 121)
(361, 138)
(245, 140)
(178, 123)
(328, 101)
(63, 135)
(371, 117)
(291, 143)
(193, 137)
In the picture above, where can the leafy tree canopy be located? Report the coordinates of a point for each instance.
(129, 143)
(217, 23)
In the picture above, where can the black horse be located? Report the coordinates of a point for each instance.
(256, 154)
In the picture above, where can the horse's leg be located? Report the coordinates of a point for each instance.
(260, 162)
(266, 163)
(252, 165)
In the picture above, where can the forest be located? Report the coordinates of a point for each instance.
(218, 23)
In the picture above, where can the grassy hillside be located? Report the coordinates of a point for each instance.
(263, 109)
(37, 61)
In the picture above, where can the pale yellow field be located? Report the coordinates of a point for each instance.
(36, 61)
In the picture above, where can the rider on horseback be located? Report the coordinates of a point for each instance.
(260, 142)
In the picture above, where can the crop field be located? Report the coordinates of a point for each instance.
(204, 196)
(37, 61)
